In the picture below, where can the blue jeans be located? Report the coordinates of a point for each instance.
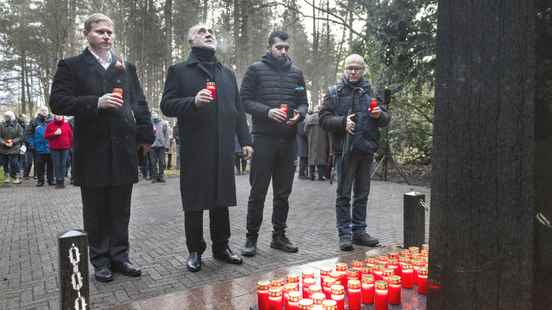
(11, 164)
(59, 159)
(353, 173)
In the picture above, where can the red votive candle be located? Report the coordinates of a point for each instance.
(307, 274)
(315, 288)
(212, 87)
(275, 298)
(394, 290)
(307, 283)
(327, 287)
(407, 276)
(351, 275)
(293, 300)
(354, 294)
(305, 304)
(380, 297)
(262, 294)
(290, 287)
(277, 283)
(388, 273)
(378, 274)
(293, 278)
(338, 294)
(318, 298)
(357, 265)
(422, 281)
(367, 289)
(329, 304)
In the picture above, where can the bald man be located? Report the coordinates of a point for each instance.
(347, 115)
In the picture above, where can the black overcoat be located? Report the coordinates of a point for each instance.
(104, 140)
(206, 133)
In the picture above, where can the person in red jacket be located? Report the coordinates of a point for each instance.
(60, 140)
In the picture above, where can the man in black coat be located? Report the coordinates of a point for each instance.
(207, 124)
(273, 92)
(354, 124)
(109, 127)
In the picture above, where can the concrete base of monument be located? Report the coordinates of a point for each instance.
(240, 293)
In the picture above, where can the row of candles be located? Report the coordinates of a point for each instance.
(376, 281)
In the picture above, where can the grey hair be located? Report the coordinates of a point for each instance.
(194, 29)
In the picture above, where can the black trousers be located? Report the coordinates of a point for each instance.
(219, 226)
(44, 162)
(106, 213)
(273, 159)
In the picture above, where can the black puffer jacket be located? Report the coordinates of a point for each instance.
(333, 113)
(267, 84)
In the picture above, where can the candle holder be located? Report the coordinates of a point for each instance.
(327, 287)
(367, 289)
(394, 290)
(407, 276)
(277, 283)
(422, 281)
(329, 304)
(338, 294)
(305, 304)
(380, 297)
(293, 300)
(275, 298)
(354, 294)
(262, 294)
(318, 298)
(307, 283)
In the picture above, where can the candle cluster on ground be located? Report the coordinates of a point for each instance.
(376, 280)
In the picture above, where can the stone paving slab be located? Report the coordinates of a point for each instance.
(31, 218)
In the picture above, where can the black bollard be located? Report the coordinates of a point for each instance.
(414, 219)
(73, 270)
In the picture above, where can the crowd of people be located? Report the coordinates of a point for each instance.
(111, 135)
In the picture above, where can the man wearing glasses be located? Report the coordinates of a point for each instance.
(273, 92)
(348, 114)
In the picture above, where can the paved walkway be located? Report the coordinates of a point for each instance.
(31, 218)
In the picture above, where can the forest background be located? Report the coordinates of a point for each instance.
(396, 37)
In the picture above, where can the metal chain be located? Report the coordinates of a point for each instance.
(76, 277)
(424, 204)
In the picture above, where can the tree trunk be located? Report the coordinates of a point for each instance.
(483, 187)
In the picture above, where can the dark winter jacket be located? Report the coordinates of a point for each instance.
(206, 134)
(267, 84)
(11, 130)
(333, 114)
(105, 140)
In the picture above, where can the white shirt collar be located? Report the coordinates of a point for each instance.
(104, 63)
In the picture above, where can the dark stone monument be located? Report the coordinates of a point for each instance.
(73, 270)
(414, 219)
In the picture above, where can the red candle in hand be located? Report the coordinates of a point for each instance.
(338, 294)
(275, 298)
(354, 294)
(262, 294)
(380, 298)
(422, 281)
(394, 290)
(407, 276)
(367, 289)
(212, 87)
(373, 104)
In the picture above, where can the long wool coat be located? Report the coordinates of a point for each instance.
(105, 140)
(206, 134)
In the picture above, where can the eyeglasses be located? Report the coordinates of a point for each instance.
(357, 69)
(282, 47)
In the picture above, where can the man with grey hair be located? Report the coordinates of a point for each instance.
(203, 95)
(354, 121)
(11, 139)
(112, 120)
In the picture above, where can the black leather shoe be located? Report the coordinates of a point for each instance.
(364, 239)
(103, 274)
(127, 269)
(194, 262)
(250, 248)
(227, 256)
(281, 242)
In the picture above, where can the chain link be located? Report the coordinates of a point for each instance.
(76, 277)
(424, 204)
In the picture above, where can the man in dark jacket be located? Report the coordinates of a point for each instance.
(208, 120)
(112, 119)
(347, 114)
(273, 92)
(11, 139)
